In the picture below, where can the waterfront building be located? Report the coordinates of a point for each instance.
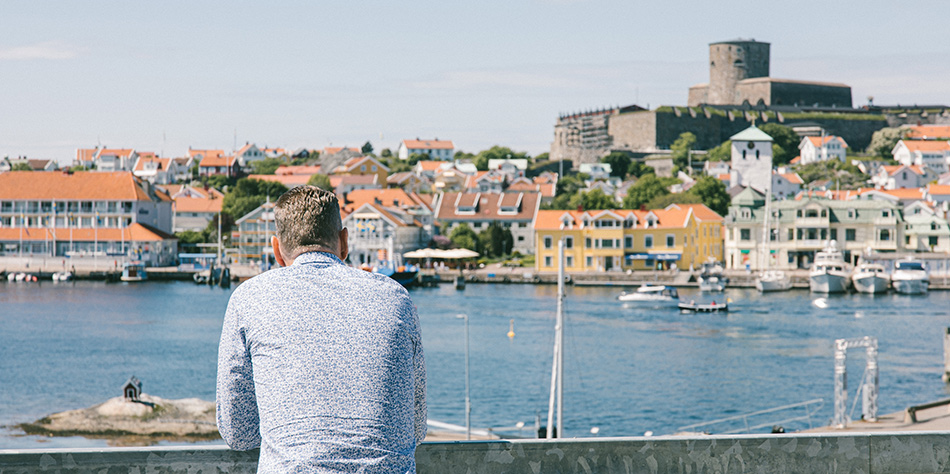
(417, 206)
(515, 211)
(801, 227)
(925, 231)
(822, 148)
(380, 233)
(85, 214)
(624, 239)
(253, 237)
(934, 154)
(439, 150)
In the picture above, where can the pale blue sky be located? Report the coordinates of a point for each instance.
(163, 76)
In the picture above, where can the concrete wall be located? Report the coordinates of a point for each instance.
(880, 453)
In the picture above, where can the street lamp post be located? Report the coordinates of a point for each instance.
(468, 401)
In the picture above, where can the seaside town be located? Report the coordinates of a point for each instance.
(788, 192)
(627, 189)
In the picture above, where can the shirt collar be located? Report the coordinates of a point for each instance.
(324, 258)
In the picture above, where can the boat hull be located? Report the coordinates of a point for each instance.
(870, 283)
(914, 286)
(828, 282)
(773, 283)
(712, 283)
(703, 308)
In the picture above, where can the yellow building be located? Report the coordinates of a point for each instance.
(364, 165)
(623, 239)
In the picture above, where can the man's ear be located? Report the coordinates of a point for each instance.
(344, 244)
(275, 244)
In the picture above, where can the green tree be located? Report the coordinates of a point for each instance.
(220, 181)
(495, 241)
(638, 169)
(567, 188)
(784, 142)
(647, 188)
(841, 175)
(619, 163)
(417, 157)
(386, 153)
(248, 194)
(723, 152)
(496, 153)
(462, 236)
(883, 142)
(712, 193)
(21, 167)
(664, 200)
(190, 237)
(321, 181)
(592, 200)
(367, 148)
(542, 157)
(682, 148)
(266, 166)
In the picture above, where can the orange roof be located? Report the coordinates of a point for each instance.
(817, 141)
(893, 169)
(88, 186)
(216, 161)
(929, 132)
(205, 153)
(674, 216)
(428, 144)
(86, 154)
(198, 204)
(792, 177)
(429, 165)
(332, 150)
(938, 189)
(289, 180)
(795, 160)
(162, 163)
(926, 145)
(904, 193)
(134, 233)
(116, 151)
(387, 197)
(302, 169)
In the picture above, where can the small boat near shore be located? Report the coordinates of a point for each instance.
(829, 273)
(870, 278)
(695, 307)
(656, 294)
(133, 271)
(910, 277)
(711, 277)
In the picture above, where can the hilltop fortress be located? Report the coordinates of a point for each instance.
(739, 92)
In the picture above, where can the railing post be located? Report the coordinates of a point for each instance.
(869, 405)
(841, 383)
(946, 355)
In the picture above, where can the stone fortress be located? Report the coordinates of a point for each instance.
(740, 92)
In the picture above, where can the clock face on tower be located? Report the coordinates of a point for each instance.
(750, 145)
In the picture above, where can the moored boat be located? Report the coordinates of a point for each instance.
(870, 278)
(711, 277)
(829, 273)
(910, 277)
(773, 280)
(133, 271)
(695, 307)
(651, 294)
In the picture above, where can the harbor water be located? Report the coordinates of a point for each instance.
(629, 369)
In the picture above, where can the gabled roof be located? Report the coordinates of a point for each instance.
(892, 170)
(486, 206)
(938, 189)
(926, 145)
(392, 197)
(394, 216)
(204, 153)
(217, 161)
(332, 150)
(137, 232)
(674, 216)
(751, 134)
(792, 178)
(162, 163)
(120, 152)
(418, 144)
(351, 164)
(819, 141)
(88, 186)
(429, 165)
(308, 170)
(928, 132)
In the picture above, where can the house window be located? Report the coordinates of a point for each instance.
(520, 238)
(568, 242)
(628, 241)
(569, 261)
(745, 234)
(587, 243)
(648, 241)
(851, 213)
(798, 213)
(590, 262)
(363, 168)
(746, 214)
(849, 235)
(373, 168)
(607, 243)
(670, 240)
(548, 241)
(834, 234)
(934, 240)
(886, 213)
(885, 235)
(547, 261)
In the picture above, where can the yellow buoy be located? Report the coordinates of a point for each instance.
(511, 329)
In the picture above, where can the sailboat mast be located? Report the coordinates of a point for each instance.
(557, 368)
(764, 263)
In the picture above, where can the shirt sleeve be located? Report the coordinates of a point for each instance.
(419, 381)
(237, 414)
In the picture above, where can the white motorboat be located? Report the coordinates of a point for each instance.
(773, 280)
(656, 294)
(829, 273)
(711, 277)
(870, 278)
(134, 271)
(910, 277)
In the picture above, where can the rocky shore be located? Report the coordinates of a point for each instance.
(143, 422)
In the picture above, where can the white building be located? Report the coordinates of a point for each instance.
(440, 150)
(934, 154)
(786, 185)
(902, 176)
(815, 149)
(751, 159)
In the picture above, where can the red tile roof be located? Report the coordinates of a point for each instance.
(674, 216)
(428, 144)
(926, 145)
(89, 186)
(135, 233)
(487, 206)
(929, 132)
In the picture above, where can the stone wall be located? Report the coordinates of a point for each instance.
(918, 452)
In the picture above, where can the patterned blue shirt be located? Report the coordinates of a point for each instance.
(321, 366)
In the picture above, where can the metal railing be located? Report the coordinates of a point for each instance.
(811, 408)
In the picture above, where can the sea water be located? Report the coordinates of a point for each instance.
(629, 369)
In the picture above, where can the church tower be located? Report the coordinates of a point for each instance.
(752, 159)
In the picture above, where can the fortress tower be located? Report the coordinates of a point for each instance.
(731, 62)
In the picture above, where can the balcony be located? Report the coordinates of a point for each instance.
(811, 222)
(808, 452)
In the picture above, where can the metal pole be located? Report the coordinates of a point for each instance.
(556, 371)
(869, 408)
(468, 400)
(841, 383)
(560, 341)
(946, 355)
